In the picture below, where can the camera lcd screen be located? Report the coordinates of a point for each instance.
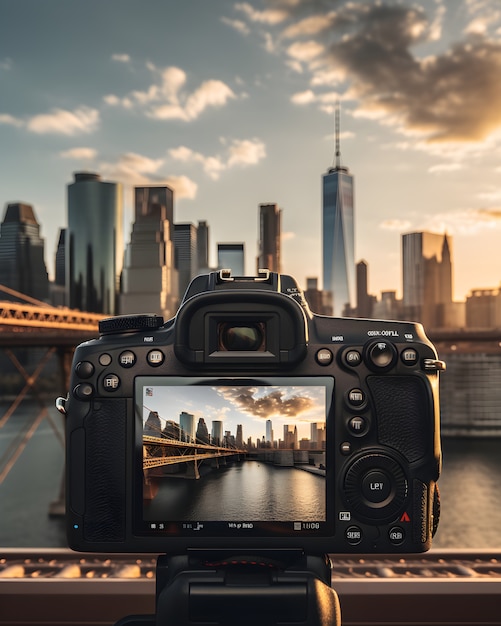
(244, 457)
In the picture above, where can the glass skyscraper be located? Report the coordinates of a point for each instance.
(270, 220)
(231, 256)
(94, 244)
(22, 265)
(338, 235)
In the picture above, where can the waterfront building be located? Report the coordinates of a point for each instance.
(187, 427)
(94, 244)
(185, 250)
(269, 433)
(427, 277)
(149, 281)
(239, 438)
(231, 256)
(270, 233)
(202, 433)
(483, 308)
(338, 234)
(22, 264)
(290, 437)
(217, 432)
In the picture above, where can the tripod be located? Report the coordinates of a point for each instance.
(225, 588)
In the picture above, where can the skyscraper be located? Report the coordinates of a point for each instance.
(270, 220)
(231, 256)
(185, 243)
(94, 244)
(202, 246)
(149, 279)
(22, 265)
(427, 276)
(338, 233)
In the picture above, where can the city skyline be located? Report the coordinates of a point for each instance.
(247, 406)
(236, 108)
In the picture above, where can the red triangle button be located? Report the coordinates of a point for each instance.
(405, 517)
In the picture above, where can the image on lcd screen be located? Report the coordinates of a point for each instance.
(231, 453)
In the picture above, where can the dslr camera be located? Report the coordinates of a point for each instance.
(249, 423)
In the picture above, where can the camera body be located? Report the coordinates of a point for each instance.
(248, 422)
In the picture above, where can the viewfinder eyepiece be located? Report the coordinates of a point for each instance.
(235, 336)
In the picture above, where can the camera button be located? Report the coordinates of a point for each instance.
(357, 425)
(409, 356)
(84, 391)
(84, 369)
(376, 486)
(155, 358)
(352, 358)
(396, 535)
(324, 356)
(111, 382)
(345, 448)
(381, 355)
(354, 535)
(127, 359)
(356, 397)
(105, 359)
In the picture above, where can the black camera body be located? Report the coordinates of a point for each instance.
(247, 422)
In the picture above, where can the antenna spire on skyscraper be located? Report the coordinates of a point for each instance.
(338, 144)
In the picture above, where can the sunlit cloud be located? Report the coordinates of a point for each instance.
(267, 16)
(183, 186)
(10, 120)
(305, 50)
(132, 168)
(396, 225)
(166, 98)
(83, 120)
(238, 152)
(79, 154)
(246, 152)
(237, 25)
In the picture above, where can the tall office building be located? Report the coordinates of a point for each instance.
(149, 278)
(427, 277)
(185, 250)
(365, 301)
(202, 247)
(270, 233)
(269, 432)
(94, 244)
(231, 256)
(338, 234)
(187, 427)
(22, 265)
(217, 433)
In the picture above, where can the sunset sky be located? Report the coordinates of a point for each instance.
(232, 104)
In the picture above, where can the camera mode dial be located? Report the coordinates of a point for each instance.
(130, 324)
(381, 355)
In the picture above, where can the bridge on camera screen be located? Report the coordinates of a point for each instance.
(163, 451)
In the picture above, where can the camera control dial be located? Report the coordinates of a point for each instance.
(375, 487)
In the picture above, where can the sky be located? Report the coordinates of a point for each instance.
(250, 406)
(232, 104)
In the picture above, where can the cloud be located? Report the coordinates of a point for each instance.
(132, 168)
(274, 403)
(183, 186)
(268, 16)
(120, 58)
(246, 152)
(396, 225)
(81, 154)
(238, 152)
(6, 64)
(10, 120)
(237, 25)
(83, 120)
(369, 53)
(166, 98)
